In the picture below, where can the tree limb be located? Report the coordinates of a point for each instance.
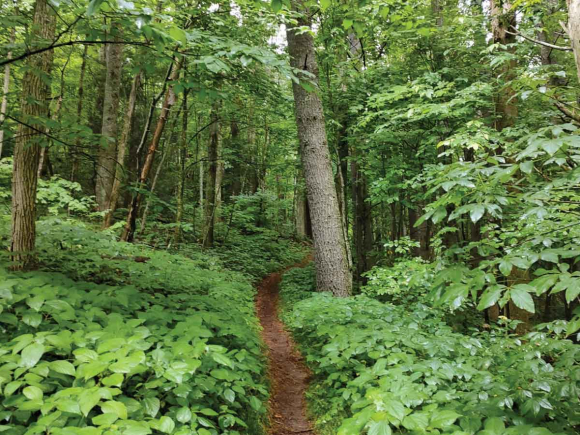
(535, 41)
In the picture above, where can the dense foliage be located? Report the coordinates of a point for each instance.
(125, 338)
(383, 368)
(159, 157)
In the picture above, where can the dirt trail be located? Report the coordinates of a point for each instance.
(288, 374)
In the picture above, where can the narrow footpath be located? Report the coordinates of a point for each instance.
(288, 374)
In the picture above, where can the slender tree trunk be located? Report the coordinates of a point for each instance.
(212, 177)
(35, 90)
(154, 183)
(168, 102)
(182, 161)
(108, 151)
(73, 152)
(502, 18)
(332, 264)
(44, 163)
(5, 91)
(253, 151)
(122, 151)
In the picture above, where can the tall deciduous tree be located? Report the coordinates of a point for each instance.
(108, 150)
(332, 265)
(35, 91)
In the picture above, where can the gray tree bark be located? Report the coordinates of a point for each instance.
(332, 265)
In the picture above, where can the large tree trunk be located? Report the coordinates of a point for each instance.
(122, 151)
(212, 184)
(168, 102)
(108, 151)
(5, 91)
(81, 92)
(332, 264)
(35, 90)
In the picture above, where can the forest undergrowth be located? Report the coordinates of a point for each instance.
(112, 337)
(401, 366)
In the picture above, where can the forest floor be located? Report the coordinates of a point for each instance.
(288, 374)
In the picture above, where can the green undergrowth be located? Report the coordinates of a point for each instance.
(381, 368)
(118, 338)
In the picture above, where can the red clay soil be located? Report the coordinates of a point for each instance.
(288, 374)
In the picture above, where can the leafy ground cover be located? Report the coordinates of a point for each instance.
(119, 338)
(381, 368)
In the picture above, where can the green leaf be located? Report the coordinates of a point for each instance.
(495, 425)
(276, 5)
(325, 4)
(178, 35)
(220, 358)
(505, 267)
(114, 380)
(105, 419)
(229, 395)
(521, 298)
(114, 407)
(32, 393)
(380, 428)
(527, 167)
(347, 23)
(166, 425)
(489, 297)
(573, 291)
(63, 367)
(476, 212)
(438, 215)
(255, 403)
(151, 405)
(131, 427)
(183, 415)
(88, 400)
(31, 355)
(416, 421)
(443, 419)
(12, 387)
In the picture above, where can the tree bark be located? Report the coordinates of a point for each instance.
(5, 91)
(181, 183)
(502, 19)
(122, 151)
(108, 151)
(168, 102)
(81, 92)
(35, 90)
(212, 184)
(332, 264)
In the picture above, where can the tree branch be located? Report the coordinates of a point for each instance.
(535, 41)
